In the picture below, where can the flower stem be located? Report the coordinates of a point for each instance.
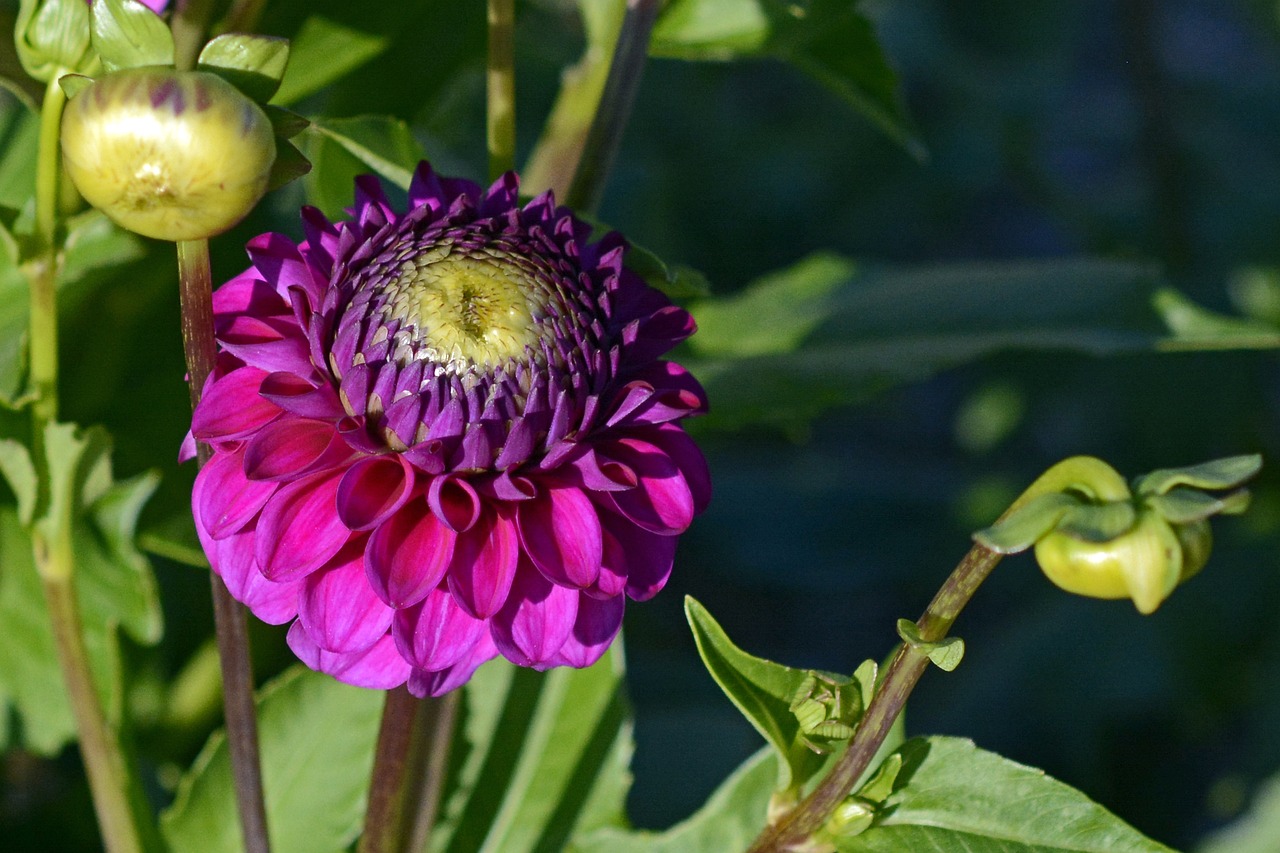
(500, 79)
(408, 772)
(904, 671)
(229, 619)
(605, 136)
(43, 332)
(190, 23)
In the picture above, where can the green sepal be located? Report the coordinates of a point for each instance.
(1098, 522)
(290, 164)
(126, 34)
(254, 64)
(1024, 526)
(945, 654)
(52, 37)
(285, 124)
(1226, 473)
(20, 473)
(878, 788)
(1181, 505)
(74, 84)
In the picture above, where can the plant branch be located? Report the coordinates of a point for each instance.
(229, 619)
(500, 81)
(605, 136)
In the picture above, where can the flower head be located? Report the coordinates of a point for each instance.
(444, 435)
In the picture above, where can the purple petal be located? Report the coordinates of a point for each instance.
(536, 620)
(661, 501)
(423, 683)
(224, 499)
(231, 406)
(295, 394)
(594, 629)
(455, 502)
(266, 345)
(689, 459)
(484, 564)
(299, 529)
(372, 489)
(379, 667)
(436, 633)
(338, 609)
(560, 531)
(290, 447)
(408, 554)
(232, 559)
(648, 557)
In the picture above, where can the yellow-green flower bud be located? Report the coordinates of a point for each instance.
(168, 154)
(1144, 564)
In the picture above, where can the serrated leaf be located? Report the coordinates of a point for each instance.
(52, 37)
(1226, 473)
(254, 64)
(321, 52)
(1024, 526)
(953, 796)
(317, 737)
(761, 689)
(569, 775)
(731, 818)
(126, 34)
(827, 39)
(945, 654)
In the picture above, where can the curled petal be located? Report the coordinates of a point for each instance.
(290, 447)
(298, 396)
(662, 501)
(232, 408)
(299, 529)
(535, 621)
(373, 489)
(378, 667)
(338, 609)
(484, 564)
(408, 554)
(648, 558)
(454, 501)
(436, 633)
(560, 531)
(597, 623)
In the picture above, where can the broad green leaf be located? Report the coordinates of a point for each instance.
(341, 149)
(546, 759)
(126, 34)
(317, 737)
(1226, 473)
(953, 796)
(253, 63)
(1197, 328)
(321, 52)
(827, 39)
(1256, 831)
(19, 137)
(114, 585)
(731, 818)
(52, 37)
(762, 690)
(887, 326)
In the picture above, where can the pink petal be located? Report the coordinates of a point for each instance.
(648, 557)
(484, 564)
(423, 683)
(299, 529)
(408, 554)
(293, 446)
(268, 345)
(596, 625)
(454, 501)
(232, 559)
(295, 394)
(231, 406)
(338, 609)
(372, 489)
(436, 633)
(689, 459)
(224, 499)
(379, 667)
(536, 620)
(560, 532)
(661, 501)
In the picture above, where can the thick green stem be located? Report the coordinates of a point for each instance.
(891, 696)
(605, 136)
(500, 80)
(43, 278)
(190, 26)
(408, 772)
(229, 618)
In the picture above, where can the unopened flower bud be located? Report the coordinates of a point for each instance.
(168, 154)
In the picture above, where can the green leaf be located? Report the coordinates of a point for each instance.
(1099, 522)
(945, 654)
(254, 64)
(1257, 831)
(52, 37)
(1226, 473)
(953, 796)
(1183, 506)
(1024, 526)
(341, 149)
(114, 585)
(546, 758)
(1197, 328)
(321, 52)
(20, 473)
(290, 164)
(126, 34)
(731, 818)
(677, 282)
(762, 690)
(827, 39)
(74, 84)
(885, 326)
(317, 737)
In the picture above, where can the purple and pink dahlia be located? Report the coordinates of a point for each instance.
(444, 435)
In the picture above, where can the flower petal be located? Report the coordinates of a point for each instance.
(338, 609)
(536, 619)
(299, 529)
(423, 683)
(408, 555)
(560, 531)
(373, 489)
(436, 633)
(224, 499)
(231, 406)
(661, 502)
(594, 629)
(379, 667)
(484, 564)
(232, 560)
(290, 447)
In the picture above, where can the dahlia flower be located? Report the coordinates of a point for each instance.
(445, 435)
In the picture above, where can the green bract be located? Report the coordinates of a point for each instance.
(168, 154)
